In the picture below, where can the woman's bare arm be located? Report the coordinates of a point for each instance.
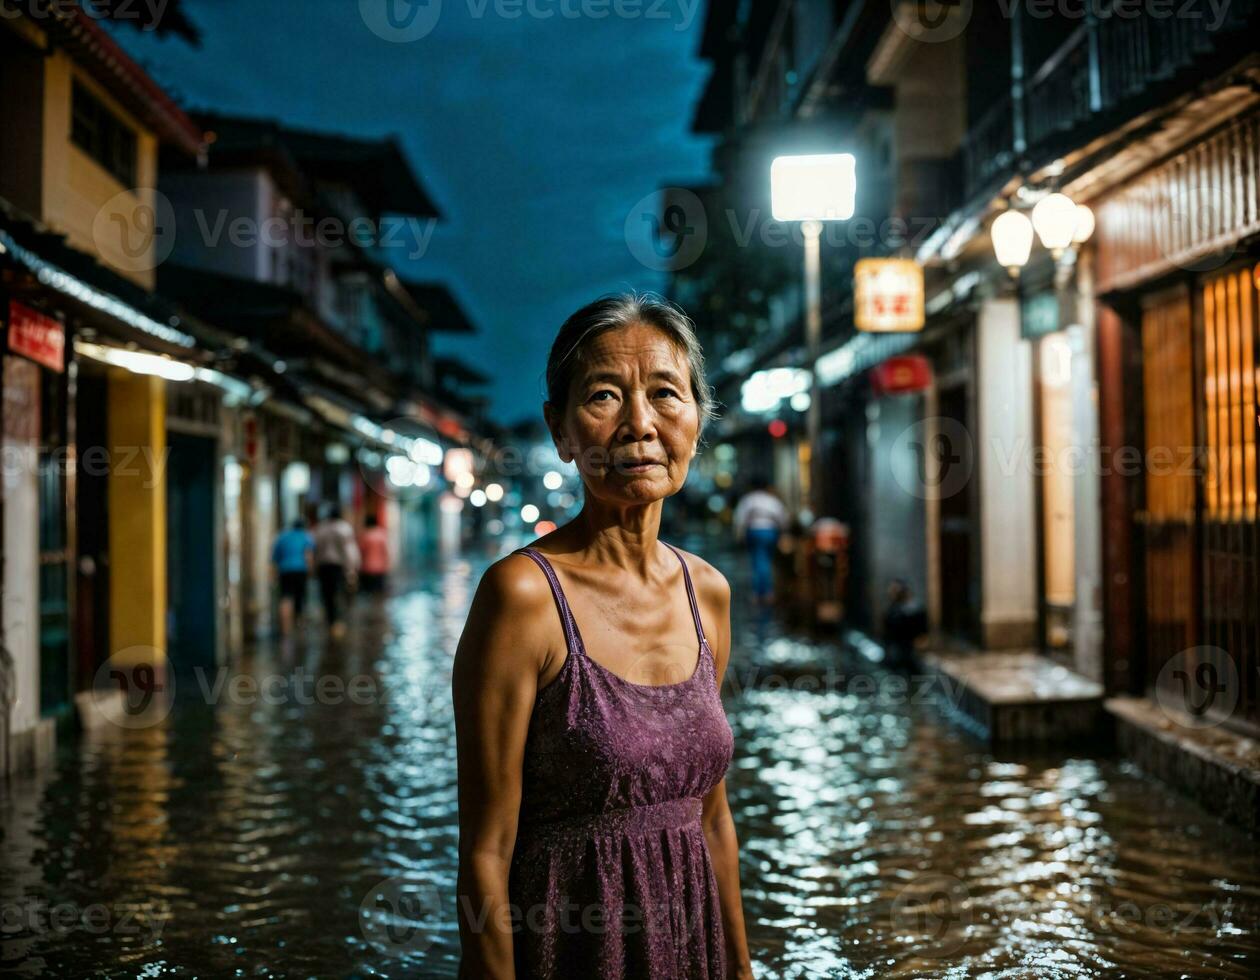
(714, 595)
(494, 682)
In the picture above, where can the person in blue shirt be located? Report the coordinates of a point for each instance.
(293, 555)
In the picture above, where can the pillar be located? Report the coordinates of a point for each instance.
(137, 518)
(1008, 537)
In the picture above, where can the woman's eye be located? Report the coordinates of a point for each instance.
(668, 391)
(596, 397)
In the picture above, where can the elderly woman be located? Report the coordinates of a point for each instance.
(595, 836)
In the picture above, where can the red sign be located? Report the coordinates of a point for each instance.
(897, 375)
(39, 337)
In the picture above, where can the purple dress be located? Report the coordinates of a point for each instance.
(611, 876)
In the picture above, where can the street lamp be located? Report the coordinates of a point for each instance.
(811, 189)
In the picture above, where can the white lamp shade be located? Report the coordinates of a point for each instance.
(1054, 219)
(1012, 235)
(814, 187)
(1084, 225)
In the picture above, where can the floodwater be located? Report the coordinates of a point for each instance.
(268, 828)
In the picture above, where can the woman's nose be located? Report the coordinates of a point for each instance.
(638, 421)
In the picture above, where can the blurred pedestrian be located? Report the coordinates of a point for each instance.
(292, 556)
(374, 553)
(905, 620)
(760, 518)
(336, 565)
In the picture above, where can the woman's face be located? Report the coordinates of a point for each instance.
(631, 421)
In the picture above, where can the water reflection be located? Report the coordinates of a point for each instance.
(271, 827)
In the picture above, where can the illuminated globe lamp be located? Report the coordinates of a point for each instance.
(1012, 235)
(1084, 225)
(1054, 218)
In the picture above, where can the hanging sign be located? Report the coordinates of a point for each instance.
(37, 336)
(888, 295)
(901, 375)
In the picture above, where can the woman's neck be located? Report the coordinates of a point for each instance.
(625, 537)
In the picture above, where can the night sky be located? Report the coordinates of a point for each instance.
(537, 136)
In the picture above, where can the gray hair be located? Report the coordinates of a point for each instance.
(613, 313)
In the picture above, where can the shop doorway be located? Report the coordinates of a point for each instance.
(959, 544)
(92, 523)
(192, 606)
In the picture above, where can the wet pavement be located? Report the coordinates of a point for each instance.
(271, 827)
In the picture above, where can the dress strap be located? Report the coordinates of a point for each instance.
(571, 633)
(691, 592)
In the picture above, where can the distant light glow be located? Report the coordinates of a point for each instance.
(552, 480)
(813, 187)
(544, 527)
(778, 428)
(529, 513)
(494, 492)
(765, 389)
(477, 498)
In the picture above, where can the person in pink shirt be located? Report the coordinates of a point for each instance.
(374, 549)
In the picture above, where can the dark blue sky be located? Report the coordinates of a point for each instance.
(536, 135)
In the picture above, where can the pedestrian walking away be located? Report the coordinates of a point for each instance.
(591, 739)
(292, 556)
(336, 564)
(759, 519)
(374, 556)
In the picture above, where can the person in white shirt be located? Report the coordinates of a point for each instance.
(336, 564)
(760, 516)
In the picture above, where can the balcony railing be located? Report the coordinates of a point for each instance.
(1116, 58)
(990, 146)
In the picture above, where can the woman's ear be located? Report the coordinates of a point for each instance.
(552, 418)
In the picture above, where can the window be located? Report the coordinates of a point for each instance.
(102, 135)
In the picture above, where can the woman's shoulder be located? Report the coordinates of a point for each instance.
(711, 585)
(517, 584)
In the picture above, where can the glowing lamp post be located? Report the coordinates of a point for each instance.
(811, 189)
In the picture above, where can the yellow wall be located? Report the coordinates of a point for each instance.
(137, 518)
(82, 198)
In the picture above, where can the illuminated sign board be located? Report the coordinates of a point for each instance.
(888, 295)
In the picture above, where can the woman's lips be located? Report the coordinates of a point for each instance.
(637, 467)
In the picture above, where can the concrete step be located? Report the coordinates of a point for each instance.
(1017, 696)
(1214, 765)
